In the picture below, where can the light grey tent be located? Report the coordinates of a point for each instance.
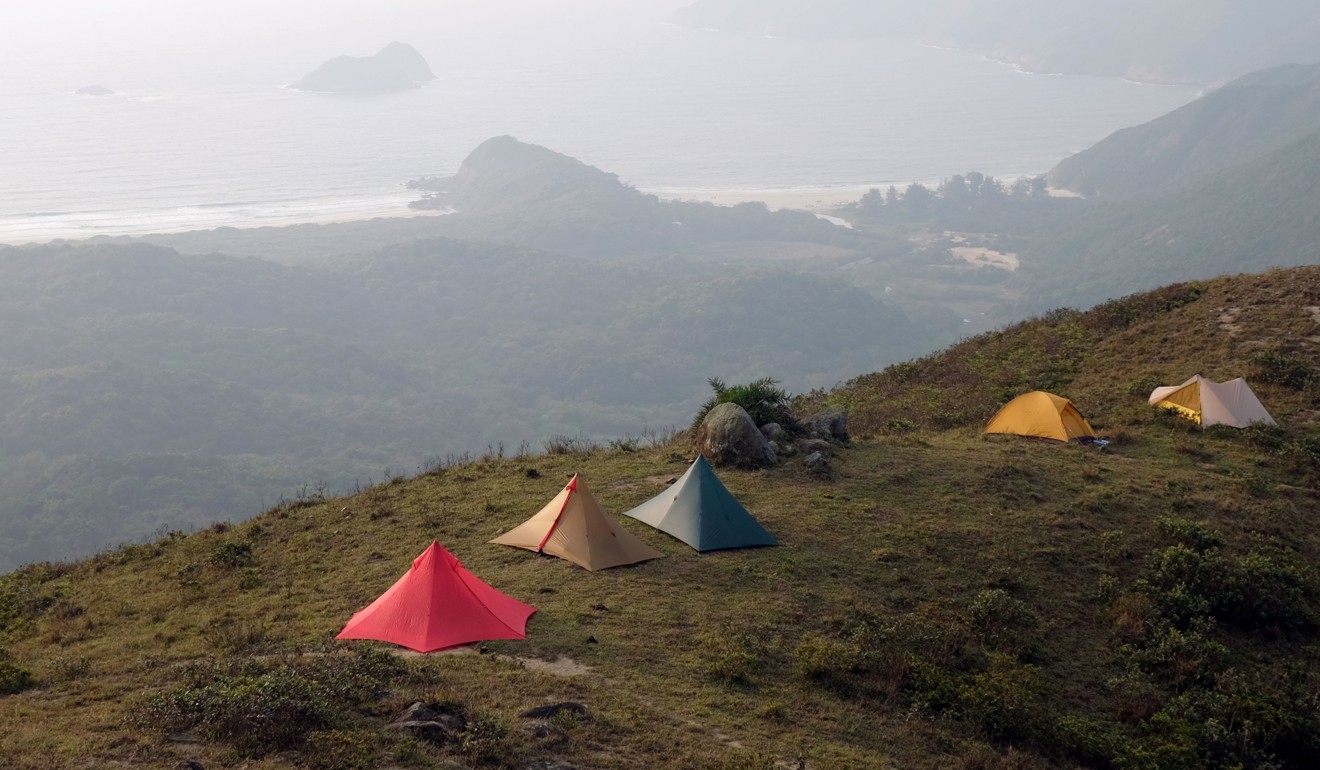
(699, 510)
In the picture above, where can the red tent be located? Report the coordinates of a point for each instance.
(439, 604)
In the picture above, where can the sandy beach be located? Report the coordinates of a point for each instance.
(188, 220)
(74, 227)
(806, 198)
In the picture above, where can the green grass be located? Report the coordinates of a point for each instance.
(942, 600)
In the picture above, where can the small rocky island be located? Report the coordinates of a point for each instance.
(94, 90)
(397, 67)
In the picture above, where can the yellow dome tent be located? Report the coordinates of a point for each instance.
(573, 526)
(1206, 402)
(1040, 415)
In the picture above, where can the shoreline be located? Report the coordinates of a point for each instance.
(84, 227)
(814, 200)
(107, 224)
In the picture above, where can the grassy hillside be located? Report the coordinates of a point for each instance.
(141, 388)
(1249, 118)
(939, 599)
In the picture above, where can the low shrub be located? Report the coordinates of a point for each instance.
(232, 555)
(261, 706)
(731, 658)
(1004, 624)
(1178, 658)
(827, 660)
(569, 445)
(13, 678)
(1005, 700)
(1278, 366)
(1094, 741)
(486, 740)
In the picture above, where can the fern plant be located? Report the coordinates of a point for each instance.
(763, 399)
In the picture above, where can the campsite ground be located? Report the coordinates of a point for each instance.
(939, 598)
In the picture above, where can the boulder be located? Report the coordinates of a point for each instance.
(727, 436)
(433, 724)
(815, 445)
(815, 460)
(772, 431)
(830, 423)
(544, 734)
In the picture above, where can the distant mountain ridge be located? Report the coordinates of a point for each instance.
(1258, 214)
(1251, 117)
(1168, 41)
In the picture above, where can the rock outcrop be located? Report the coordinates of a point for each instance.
(397, 67)
(728, 436)
(433, 724)
(830, 423)
(94, 90)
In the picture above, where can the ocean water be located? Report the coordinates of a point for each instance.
(189, 142)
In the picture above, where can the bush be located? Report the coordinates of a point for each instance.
(928, 685)
(827, 660)
(1092, 741)
(762, 399)
(1192, 534)
(13, 679)
(1005, 700)
(1277, 366)
(1257, 591)
(1242, 720)
(1142, 386)
(232, 555)
(731, 658)
(1003, 622)
(1179, 658)
(262, 707)
(486, 740)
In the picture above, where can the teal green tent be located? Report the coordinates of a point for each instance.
(699, 510)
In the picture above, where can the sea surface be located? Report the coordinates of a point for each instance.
(194, 141)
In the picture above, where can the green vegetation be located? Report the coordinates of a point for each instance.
(963, 202)
(941, 600)
(762, 399)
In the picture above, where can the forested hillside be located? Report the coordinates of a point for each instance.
(1258, 214)
(1249, 118)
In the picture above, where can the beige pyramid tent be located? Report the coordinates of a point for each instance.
(1207, 402)
(573, 526)
(1040, 415)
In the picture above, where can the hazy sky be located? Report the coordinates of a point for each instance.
(63, 38)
